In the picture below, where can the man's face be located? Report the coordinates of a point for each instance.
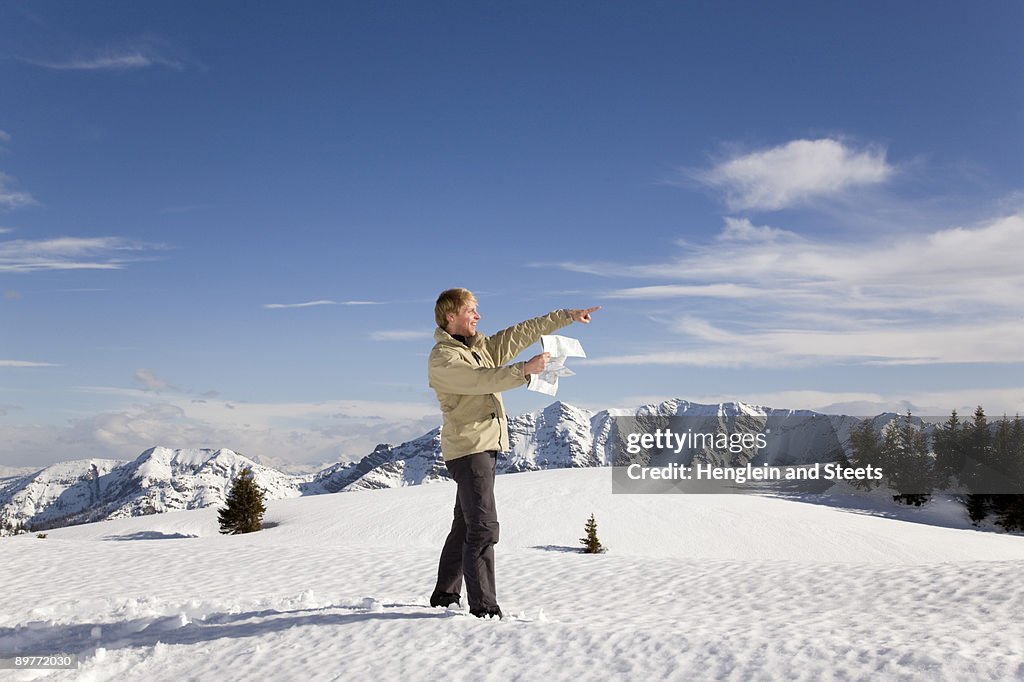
(464, 322)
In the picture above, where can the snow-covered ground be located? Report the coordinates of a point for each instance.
(693, 587)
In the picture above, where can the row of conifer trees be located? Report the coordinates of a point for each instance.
(980, 460)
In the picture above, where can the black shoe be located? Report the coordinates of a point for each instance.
(487, 612)
(445, 599)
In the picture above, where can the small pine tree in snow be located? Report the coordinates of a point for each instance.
(244, 510)
(591, 545)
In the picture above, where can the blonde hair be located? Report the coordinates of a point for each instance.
(451, 302)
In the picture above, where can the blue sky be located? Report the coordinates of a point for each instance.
(225, 224)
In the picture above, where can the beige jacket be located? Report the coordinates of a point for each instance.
(469, 381)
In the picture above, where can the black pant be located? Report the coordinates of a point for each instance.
(469, 549)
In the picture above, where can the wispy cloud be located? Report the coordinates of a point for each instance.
(894, 300)
(143, 56)
(294, 431)
(401, 335)
(794, 173)
(944, 271)
(742, 230)
(310, 304)
(67, 253)
(725, 290)
(150, 380)
(121, 62)
(876, 344)
(133, 53)
(11, 198)
(25, 363)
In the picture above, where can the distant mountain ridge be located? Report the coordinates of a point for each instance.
(158, 480)
(163, 479)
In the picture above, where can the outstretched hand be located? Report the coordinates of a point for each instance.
(582, 314)
(536, 364)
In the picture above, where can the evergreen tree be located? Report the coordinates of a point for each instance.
(591, 545)
(1002, 453)
(244, 510)
(10, 526)
(977, 506)
(905, 450)
(1009, 507)
(949, 452)
(889, 450)
(867, 451)
(977, 468)
(1017, 437)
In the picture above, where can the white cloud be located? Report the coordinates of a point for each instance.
(725, 290)
(25, 363)
(150, 380)
(112, 61)
(309, 304)
(132, 53)
(796, 172)
(874, 345)
(11, 198)
(65, 253)
(297, 432)
(4, 137)
(401, 335)
(945, 271)
(953, 295)
(742, 230)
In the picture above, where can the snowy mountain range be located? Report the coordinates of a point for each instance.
(558, 436)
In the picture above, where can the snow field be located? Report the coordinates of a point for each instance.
(693, 587)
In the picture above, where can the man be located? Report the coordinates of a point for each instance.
(467, 371)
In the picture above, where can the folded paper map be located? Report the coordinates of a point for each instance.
(560, 348)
